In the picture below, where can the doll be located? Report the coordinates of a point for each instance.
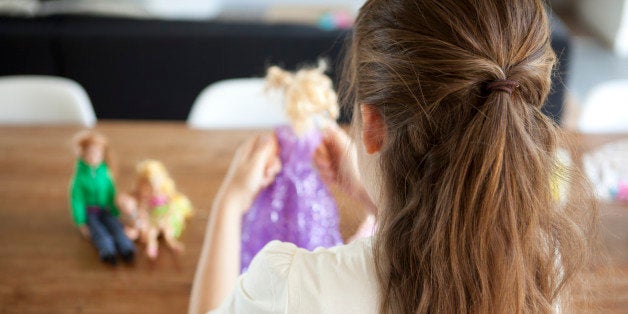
(297, 207)
(166, 209)
(92, 194)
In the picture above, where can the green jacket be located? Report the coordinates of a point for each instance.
(91, 187)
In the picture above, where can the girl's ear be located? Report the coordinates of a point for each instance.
(373, 129)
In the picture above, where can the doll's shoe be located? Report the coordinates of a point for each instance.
(109, 259)
(128, 257)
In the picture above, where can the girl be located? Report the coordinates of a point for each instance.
(457, 157)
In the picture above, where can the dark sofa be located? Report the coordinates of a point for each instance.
(154, 69)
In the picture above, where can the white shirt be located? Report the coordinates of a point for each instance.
(285, 279)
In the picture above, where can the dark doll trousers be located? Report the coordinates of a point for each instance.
(108, 234)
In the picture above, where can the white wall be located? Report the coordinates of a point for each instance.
(169, 9)
(266, 3)
(190, 9)
(609, 19)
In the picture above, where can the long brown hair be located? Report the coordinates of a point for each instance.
(471, 222)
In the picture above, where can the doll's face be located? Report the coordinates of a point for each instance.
(94, 154)
(144, 188)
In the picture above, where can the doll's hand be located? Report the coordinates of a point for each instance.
(254, 166)
(127, 204)
(336, 161)
(84, 231)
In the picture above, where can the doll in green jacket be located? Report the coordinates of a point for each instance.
(92, 194)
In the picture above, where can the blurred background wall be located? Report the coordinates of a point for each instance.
(149, 59)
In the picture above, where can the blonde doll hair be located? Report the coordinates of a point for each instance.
(308, 94)
(156, 174)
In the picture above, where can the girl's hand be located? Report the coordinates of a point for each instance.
(254, 166)
(336, 161)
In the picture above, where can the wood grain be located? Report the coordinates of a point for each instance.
(46, 267)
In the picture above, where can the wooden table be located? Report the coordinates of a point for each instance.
(46, 267)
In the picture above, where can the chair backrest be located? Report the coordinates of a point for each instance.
(606, 109)
(236, 103)
(34, 99)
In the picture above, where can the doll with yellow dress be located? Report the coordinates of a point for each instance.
(164, 208)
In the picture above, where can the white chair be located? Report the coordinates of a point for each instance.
(606, 109)
(33, 99)
(237, 103)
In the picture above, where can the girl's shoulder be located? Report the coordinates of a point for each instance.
(338, 279)
(283, 278)
(280, 255)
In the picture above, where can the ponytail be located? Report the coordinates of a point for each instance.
(469, 222)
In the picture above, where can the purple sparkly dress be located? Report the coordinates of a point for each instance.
(296, 207)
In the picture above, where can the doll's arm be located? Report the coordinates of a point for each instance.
(79, 211)
(111, 195)
(254, 166)
(77, 202)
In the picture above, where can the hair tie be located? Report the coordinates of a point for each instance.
(506, 86)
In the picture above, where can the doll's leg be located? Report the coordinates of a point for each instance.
(115, 228)
(101, 239)
(170, 238)
(144, 228)
(152, 246)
